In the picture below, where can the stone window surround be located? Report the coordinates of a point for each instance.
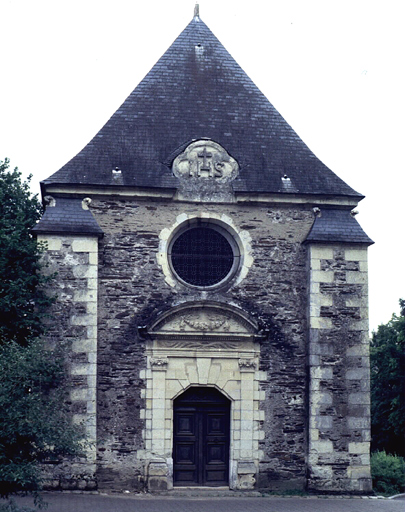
(231, 238)
(240, 238)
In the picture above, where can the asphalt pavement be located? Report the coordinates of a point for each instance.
(75, 502)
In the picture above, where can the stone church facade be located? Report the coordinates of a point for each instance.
(212, 286)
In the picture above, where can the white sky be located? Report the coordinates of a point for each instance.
(333, 68)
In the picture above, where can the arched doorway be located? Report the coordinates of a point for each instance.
(201, 433)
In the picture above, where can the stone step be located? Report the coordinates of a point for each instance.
(202, 492)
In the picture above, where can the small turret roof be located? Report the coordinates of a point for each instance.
(337, 225)
(68, 217)
(196, 91)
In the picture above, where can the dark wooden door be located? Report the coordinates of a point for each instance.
(201, 438)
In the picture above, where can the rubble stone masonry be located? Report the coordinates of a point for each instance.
(133, 290)
(310, 305)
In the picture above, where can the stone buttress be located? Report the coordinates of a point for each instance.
(72, 252)
(338, 355)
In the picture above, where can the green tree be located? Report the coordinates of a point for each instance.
(35, 423)
(23, 300)
(388, 385)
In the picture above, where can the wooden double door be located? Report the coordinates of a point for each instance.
(201, 434)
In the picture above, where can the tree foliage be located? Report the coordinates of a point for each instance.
(388, 385)
(35, 424)
(23, 300)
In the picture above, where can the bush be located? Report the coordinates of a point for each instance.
(388, 473)
(35, 422)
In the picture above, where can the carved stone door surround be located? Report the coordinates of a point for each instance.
(203, 344)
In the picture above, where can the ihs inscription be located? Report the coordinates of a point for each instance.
(205, 159)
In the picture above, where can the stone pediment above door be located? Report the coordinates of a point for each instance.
(204, 320)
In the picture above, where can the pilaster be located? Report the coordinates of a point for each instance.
(75, 258)
(338, 359)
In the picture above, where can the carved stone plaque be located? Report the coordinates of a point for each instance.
(204, 160)
(205, 319)
(208, 322)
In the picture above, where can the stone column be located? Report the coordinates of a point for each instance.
(338, 359)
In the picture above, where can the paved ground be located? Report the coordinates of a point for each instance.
(70, 502)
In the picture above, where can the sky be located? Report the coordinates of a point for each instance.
(334, 69)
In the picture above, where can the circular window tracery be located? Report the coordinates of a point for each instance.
(204, 255)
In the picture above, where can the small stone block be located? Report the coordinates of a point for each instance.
(359, 448)
(246, 467)
(85, 245)
(53, 244)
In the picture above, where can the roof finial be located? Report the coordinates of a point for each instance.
(197, 10)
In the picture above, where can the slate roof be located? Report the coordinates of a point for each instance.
(197, 90)
(68, 217)
(333, 225)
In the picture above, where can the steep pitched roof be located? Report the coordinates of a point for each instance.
(195, 91)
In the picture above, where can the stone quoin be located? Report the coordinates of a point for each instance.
(212, 283)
